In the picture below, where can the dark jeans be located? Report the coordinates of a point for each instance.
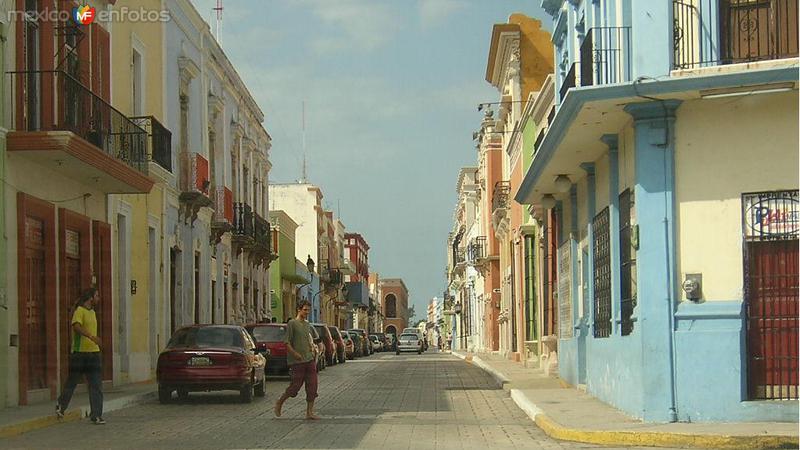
(303, 373)
(89, 365)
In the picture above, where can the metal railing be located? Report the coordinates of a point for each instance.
(606, 56)
(160, 150)
(569, 82)
(52, 100)
(539, 139)
(243, 223)
(477, 249)
(500, 195)
(715, 32)
(261, 232)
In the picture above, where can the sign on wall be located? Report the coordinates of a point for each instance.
(565, 290)
(771, 215)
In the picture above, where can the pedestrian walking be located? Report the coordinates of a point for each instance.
(302, 360)
(84, 358)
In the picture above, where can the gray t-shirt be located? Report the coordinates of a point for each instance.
(298, 335)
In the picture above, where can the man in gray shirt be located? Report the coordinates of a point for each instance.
(302, 360)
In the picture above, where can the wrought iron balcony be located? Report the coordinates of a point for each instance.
(159, 140)
(606, 56)
(716, 32)
(262, 249)
(52, 109)
(477, 250)
(243, 232)
(569, 82)
(500, 195)
(223, 213)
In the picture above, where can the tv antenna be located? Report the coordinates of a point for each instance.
(218, 10)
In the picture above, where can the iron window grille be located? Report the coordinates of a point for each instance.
(601, 258)
(627, 261)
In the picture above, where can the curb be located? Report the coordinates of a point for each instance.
(18, 428)
(499, 377)
(646, 438)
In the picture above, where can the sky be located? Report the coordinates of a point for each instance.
(391, 89)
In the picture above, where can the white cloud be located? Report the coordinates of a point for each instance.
(433, 12)
(357, 24)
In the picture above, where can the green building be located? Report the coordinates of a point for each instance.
(282, 272)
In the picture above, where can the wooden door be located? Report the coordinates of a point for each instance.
(35, 308)
(772, 319)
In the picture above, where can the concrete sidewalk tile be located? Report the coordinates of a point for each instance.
(611, 427)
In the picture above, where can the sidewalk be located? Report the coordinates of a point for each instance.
(21, 419)
(569, 414)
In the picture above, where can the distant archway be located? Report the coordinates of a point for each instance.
(391, 306)
(391, 330)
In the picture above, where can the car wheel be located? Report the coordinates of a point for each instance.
(164, 395)
(246, 393)
(183, 394)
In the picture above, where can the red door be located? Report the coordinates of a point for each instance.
(772, 324)
(35, 326)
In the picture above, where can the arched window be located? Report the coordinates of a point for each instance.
(391, 330)
(391, 306)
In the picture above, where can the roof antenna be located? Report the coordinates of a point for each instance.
(304, 178)
(219, 9)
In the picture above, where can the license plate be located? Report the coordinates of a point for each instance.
(200, 361)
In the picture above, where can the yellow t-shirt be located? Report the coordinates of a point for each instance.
(88, 320)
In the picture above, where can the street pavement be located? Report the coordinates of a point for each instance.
(384, 401)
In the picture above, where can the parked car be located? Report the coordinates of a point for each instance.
(409, 342)
(320, 349)
(327, 340)
(384, 341)
(366, 347)
(341, 347)
(358, 344)
(349, 346)
(211, 358)
(269, 336)
(376, 343)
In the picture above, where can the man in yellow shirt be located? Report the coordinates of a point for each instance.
(85, 358)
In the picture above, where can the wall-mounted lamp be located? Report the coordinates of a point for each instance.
(548, 201)
(563, 183)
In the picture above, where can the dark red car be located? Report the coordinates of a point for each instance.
(211, 358)
(269, 336)
(327, 340)
(341, 347)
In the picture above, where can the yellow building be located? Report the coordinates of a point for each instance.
(137, 220)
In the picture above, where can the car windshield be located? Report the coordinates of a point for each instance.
(409, 336)
(320, 330)
(207, 337)
(269, 334)
(334, 332)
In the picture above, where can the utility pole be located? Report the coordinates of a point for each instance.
(304, 178)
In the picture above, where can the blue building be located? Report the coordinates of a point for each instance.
(669, 169)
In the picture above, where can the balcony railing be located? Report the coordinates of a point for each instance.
(243, 223)
(715, 32)
(160, 140)
(569, 82)
(477, 249)
(539, 139)
(194, 174)
(55, 101)
(502, 189)
(223, 205)
(262, 233)
(606, 56)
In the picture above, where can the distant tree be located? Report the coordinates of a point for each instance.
(411, 314)
(418, 322)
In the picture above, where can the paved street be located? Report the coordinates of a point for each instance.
(384, 401)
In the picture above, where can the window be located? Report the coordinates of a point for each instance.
(530, 289)
(391, 306)
(137, 78)
(627, 260)
(601, 257)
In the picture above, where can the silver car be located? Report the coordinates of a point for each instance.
(408, 342)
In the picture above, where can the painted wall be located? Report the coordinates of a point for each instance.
(757, 154)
